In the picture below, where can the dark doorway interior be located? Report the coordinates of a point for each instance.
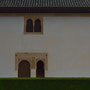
(29, 25)
(40, 69)
(24, 69)
(37, 27)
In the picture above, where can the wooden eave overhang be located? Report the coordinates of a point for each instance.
(44, 9)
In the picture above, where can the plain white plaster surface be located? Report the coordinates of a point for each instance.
(66, 39)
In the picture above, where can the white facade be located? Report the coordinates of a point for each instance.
(65, 39)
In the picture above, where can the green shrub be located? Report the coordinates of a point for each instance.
(45, 84)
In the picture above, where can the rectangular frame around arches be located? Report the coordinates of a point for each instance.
(34, 17)
(32, 58)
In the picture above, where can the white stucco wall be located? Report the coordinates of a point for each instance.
(66, 39)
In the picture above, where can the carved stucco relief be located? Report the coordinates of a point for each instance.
(32, 58)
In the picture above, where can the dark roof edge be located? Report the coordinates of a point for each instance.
(44, 9)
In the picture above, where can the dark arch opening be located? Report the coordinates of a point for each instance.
(24, 69)
(37, 26)
(40, 69)
(29, 25)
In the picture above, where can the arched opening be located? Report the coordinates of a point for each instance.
(37, 26)
(40, 69)
(29, 25)
(24, 69)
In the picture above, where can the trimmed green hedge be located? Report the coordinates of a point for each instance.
(45, 84)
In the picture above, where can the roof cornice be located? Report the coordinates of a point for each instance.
(44, 9)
